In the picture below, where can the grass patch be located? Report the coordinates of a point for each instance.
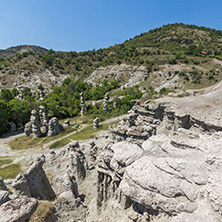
(43, 211)
(24, 142)
(84, 134)
(59, 143)
(88, 132)
(10, 171)
(4, 161)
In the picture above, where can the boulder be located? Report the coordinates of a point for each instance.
(28, 129)
(73, 145)
(18, 210)
(66, 123)
(54, 127)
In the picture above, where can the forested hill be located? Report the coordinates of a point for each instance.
(174, 43)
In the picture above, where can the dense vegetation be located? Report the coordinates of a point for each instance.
(63, 102)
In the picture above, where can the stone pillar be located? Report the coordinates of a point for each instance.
(35, 124)
(43, 119)
(96, 123)
(105, 102)
(54, 127)
(82, 104)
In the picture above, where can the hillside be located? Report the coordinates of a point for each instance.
(171, 51)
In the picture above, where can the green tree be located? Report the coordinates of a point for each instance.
(20, 111)
(6, 95)
(5, 114)
(26, 92)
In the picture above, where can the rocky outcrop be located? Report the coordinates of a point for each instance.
(126, 75)
(21, 185)
(113, 162)
(70, 186)
(34, 183)
(18, 210)
(177, 176)
(71, 166)
(54, 127)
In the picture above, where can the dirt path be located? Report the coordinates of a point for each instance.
(5, 149)
(46, 145)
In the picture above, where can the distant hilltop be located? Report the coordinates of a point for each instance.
(37, 50)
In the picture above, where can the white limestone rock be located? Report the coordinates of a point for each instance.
(18, 210)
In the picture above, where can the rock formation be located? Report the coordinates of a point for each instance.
(66, 123)
(71, 186)
(34, 183)
(96, 123)
(105, 102)
(54, 127)
(28, 129)
(114, 105)
(78, 161)
(114, 160)
(43, 119)
(82, 104)
(13, 127)
(35, 124)
(176, 174)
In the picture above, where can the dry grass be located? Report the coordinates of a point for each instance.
(43, 211)
(10, 171)
(4, 161)
(24, 142)
(84, 134)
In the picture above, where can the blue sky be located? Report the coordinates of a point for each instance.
(80, 25)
